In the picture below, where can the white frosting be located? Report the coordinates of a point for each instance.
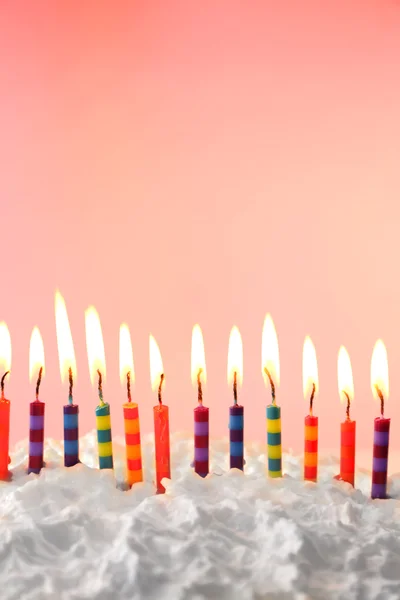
(73, 534)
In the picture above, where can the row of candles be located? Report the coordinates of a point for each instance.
(270, 366)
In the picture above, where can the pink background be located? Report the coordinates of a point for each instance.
(181, 162)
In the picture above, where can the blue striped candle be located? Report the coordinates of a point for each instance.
(236, 436)
(71, 435)
(274, 447)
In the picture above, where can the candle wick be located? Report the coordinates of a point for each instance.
(199, 388)
(2, 384)
(39, 381)
(379, 392)
(312, 399)
(159, 389)
(348, 406)
(100, 387)
(71, 384)
(235, 388)
(128, 386)
(268, 374)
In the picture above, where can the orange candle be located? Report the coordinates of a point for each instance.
(348, 427)
(134, 473)
(161, 419)
(310, 389)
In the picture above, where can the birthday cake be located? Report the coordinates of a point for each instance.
(78, 532)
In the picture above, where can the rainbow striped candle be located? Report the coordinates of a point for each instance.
(310, 389)
(380, 390)
(236, 423)
(103, 426)
(132, 439)
(71, 435)
(270, 366)
(201, 440)
(274, 442)
(311, 448)
(236, 411)
(36, 436)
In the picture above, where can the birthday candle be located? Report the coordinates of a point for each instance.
(66, 355)
(5, 365)
(271, 371)
(134, 471)
(236, 411)
(201, 413)
(97, 365)
(161, 419)
(310, 388)
(348, 427)
(36, 408)
(380, 390)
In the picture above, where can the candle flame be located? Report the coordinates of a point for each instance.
(310, 368)
(198, 359)
(66, 353)
(36, 354)
(270, 352)
(5, 349)
(380, 371)
(125, 354)
(345, 376)
(156, 364)
(235, 356)
(94, 345)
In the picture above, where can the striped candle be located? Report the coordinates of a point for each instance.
(134, 471)
(236, 436)
(274, 443)
(380, 457)
(311, 448)
(103, 425)
(71, 435)
(36, 436)
(201, 440)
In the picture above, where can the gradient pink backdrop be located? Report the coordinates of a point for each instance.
(208, 162)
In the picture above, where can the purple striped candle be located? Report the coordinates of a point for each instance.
(201, 440)
(36, 436)
(380, 457)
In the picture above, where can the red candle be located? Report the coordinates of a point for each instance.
(348, 427)
(161, 419)
(4, 432)
(161, 434)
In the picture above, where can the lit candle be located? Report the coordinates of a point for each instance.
(66, 356)
(271, 370)
(5, 365)
(36, 420)
(134, 472)
(380, 390)
(236, 416)
(97, 365)
(310, 389)
(348, 427)
(161, 418)
(201, 413)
